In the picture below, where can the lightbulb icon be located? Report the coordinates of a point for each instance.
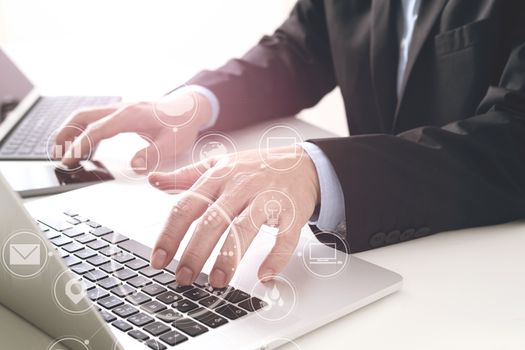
(272, 209)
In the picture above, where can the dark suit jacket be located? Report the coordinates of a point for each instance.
(449, 154)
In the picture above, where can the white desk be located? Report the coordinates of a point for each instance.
(462, 290)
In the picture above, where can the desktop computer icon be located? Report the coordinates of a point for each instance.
(323, 256)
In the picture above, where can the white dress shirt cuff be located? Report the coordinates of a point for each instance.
(331, 214)
(212, 98)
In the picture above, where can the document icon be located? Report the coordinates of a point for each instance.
(24, 254)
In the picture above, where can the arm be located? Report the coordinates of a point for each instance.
(292, 70)
(430, 179)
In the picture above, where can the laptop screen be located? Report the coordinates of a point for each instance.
(14, 85)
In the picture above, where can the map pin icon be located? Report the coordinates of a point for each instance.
(75, 296)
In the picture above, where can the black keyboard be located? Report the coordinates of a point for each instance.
(29, 139)
(148, 304)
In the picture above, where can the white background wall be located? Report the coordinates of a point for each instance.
(139, 48)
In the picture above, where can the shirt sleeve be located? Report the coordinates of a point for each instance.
(330, 216)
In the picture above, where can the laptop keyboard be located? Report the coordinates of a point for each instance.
(29, 139)
(135, 298)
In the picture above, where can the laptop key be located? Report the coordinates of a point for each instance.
(122, 325)
(168, 315)
(62, 253)
(98, 244)
(50, 234)
(164, 278)
(138, 298)
(111, 267)
(136, 248)
(123, 290)
(60, 241)
(140, 319)
(212, 302)
(139, 281)
(150, 271)
(236, 296)
(110, 251)
(110, 302)
(252, 304)
(93, 224)
(155, 344)
(85, 238)
(173, 338)
(153, 289)
(125, 274)
(123, 257)
(139, 335)
(95, 275)
(136, 264)
(190, 327)
(82, 268)
(201, 280)
(156, 328)
(85, 253)
(100, 231)
(231, 311)
(125, 310)
(109, 283)
(115, 238)
(57, 223)
(73, 247)
(107, 316)
(74, 231)
(71, 260)
(153, 307)
(195, 294)
(208, 318)
(97, 260)
(169, 297)
(178, 288)
(184, 305)
(97, 293)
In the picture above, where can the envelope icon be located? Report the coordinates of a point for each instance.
(24, 254)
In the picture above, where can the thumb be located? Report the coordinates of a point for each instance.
(146, 160)
(180, 179)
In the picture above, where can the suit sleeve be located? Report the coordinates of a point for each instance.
(432, 179)
(292, 68)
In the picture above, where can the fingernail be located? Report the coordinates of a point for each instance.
(184, 276)
(158, 259)
(218, 278)
(139, 163)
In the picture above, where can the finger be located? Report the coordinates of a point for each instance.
(241, 234)
(104, 128)
(284, 247)
(208, 231)
(191, 205)
(79, 121)
(180, 179)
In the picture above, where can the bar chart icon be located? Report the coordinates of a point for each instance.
(60, 151)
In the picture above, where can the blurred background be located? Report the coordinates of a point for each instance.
(140, 49)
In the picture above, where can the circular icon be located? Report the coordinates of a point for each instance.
(56, 152)
(176, 109)
(215, 145)
(278, 298)
(273, 205)
(69, 343)
(275, 144)
(323, 259)
(69, 292)
(150, 164)
(25, 254)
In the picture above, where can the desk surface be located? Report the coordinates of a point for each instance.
(462, 289)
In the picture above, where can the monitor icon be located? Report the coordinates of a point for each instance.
(318, 254)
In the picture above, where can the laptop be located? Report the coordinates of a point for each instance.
(87, 284)
(28, 120)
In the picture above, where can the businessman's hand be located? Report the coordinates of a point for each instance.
(171, 124)
(238, 186)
